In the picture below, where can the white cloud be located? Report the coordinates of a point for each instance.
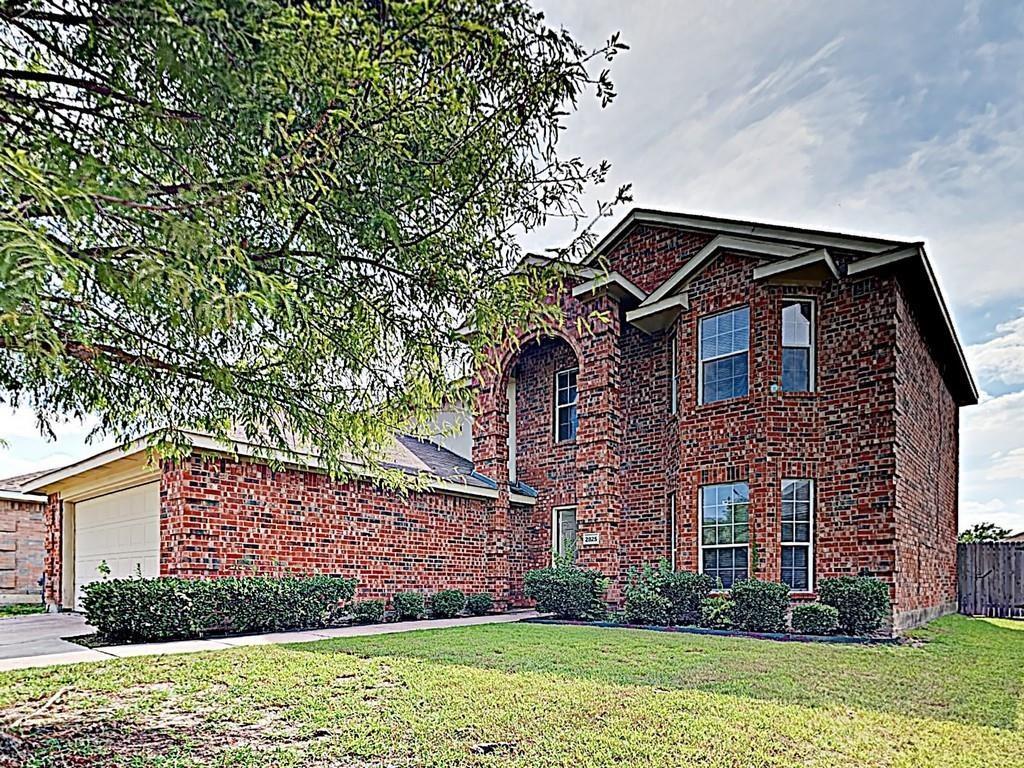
(995, 511)
(1001, 358)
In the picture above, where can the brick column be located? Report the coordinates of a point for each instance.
(53, 521)
(598, 441)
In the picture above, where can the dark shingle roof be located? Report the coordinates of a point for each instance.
(17, 482)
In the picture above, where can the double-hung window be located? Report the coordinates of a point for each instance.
(797, 345)
(725, 532)
(798, 534)
(724, 346)
(563, 531)
(565, 405)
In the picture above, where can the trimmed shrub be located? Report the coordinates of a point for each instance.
(862, 602)
(814, 619)
(658, 595)
(368, 612)
(448, 603)
(409, 605)
(480, 604)
(716, 612)
(567, 591)
(759, 606)
(172, 608)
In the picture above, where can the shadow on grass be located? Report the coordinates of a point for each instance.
(957, 669)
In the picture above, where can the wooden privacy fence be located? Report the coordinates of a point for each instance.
(991, 578)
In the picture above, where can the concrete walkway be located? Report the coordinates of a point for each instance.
(42, 648)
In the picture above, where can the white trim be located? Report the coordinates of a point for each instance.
(868, 244)
(812, 360)
(820, 256)
(555, 528)
(624, 285)
(652, 317)
(884, 260)
(519, 498)
(701, 360)
(19, 496)
(673, 373)
(700, 527)
(92, 462)
(510, 397)
(558, 438)
(696, 263)
(809, 544)
(673, 542)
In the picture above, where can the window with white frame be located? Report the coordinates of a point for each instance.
(724, 344)
(563, 531)
(565, 405)
(673, 374)
(798, 534)
(672, 530)
(797, 345)
(725, 532)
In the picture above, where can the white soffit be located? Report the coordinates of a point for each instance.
(614, 283)
(817, 265)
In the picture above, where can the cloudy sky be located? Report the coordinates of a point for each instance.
(900, 119)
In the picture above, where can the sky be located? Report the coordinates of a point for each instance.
(898, 119)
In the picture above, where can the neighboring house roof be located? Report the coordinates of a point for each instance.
(1015, 537)
(792, 252)
(12, 488)
(447, 471)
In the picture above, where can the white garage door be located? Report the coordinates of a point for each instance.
(122, 529)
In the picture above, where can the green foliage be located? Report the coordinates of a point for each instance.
(409, 606)
(447, 603)
(567, 591)
(659, 595)
(368, 612)
(716, 612)
(167, 608)
(814, 619)
(759, 606)
(480, 604)
(270, 217)
(862, 601)
(983, 532)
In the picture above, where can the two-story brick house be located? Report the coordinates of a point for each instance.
(743, 399)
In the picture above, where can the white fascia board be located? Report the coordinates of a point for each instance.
(707, 254)
(644, 317)
(34, 498)
(883, 260)
(611, 278)
(518, 498)
(735, 227)
(781, 267)
(99, 460)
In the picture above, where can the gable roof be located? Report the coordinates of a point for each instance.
(797, 248)
(12, 488)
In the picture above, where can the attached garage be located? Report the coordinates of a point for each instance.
(121, 529)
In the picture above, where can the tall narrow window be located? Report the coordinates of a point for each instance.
(672, 530)
(797, 345)
(798, 535)
(511, 397)
(565, 405)
(563, 531)
(725, 531)
(724, 343)
(673, 374)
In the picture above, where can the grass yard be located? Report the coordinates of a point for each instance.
(20, 609)
(536, 695)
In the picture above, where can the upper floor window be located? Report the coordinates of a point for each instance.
(565, 405)
(673, 374)
(724, 344)
(797, 345)
(725, 531)
(797, 535)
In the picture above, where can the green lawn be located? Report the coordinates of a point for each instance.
(19, 609)
(538, 695)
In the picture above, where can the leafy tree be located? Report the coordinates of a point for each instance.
(273, 217)
(983, 532)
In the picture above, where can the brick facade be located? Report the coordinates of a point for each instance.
(22, 530)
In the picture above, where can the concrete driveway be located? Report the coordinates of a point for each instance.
(40, 634)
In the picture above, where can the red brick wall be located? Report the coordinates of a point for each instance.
(22, 531)
(53, 520)
(927, 450)
(220, 517)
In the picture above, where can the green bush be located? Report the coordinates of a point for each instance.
(716, 612)
(409, 605)
(567, 591)
(862, 602)
(171, 608)
(448, 603)
(480, 604)
(658, 595)
(368, 612)
(759, 606)
(814, 619)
